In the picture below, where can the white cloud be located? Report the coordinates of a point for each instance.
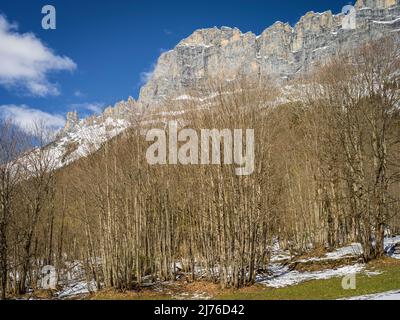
(167, 32)
(78, 94)
(26, 118)
(145, 76)
(25, 61)
(94, 107)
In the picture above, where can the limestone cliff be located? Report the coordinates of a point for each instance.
(280, 52)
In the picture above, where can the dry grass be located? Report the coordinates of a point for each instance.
(111, 294)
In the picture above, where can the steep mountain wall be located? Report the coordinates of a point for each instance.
(280, 52)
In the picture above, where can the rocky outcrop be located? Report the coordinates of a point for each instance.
(280, 52)
(120, 109)
(71, 121)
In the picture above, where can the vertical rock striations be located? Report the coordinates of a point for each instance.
(279, 52)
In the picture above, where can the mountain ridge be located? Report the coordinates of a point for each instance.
(280, 52)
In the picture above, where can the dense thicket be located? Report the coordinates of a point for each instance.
(326, 173)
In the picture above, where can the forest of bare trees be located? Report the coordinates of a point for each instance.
(327, 173)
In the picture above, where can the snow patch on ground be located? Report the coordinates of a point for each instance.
(282, 277)
(389, 295)
(389, 246)
(78, 288)
(352, 250)
(277, 254)
(278, 274)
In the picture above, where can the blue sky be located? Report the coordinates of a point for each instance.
(102, 51)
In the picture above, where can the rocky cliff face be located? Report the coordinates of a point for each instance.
(280, 52)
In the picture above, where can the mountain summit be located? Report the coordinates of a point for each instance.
(280, 52)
